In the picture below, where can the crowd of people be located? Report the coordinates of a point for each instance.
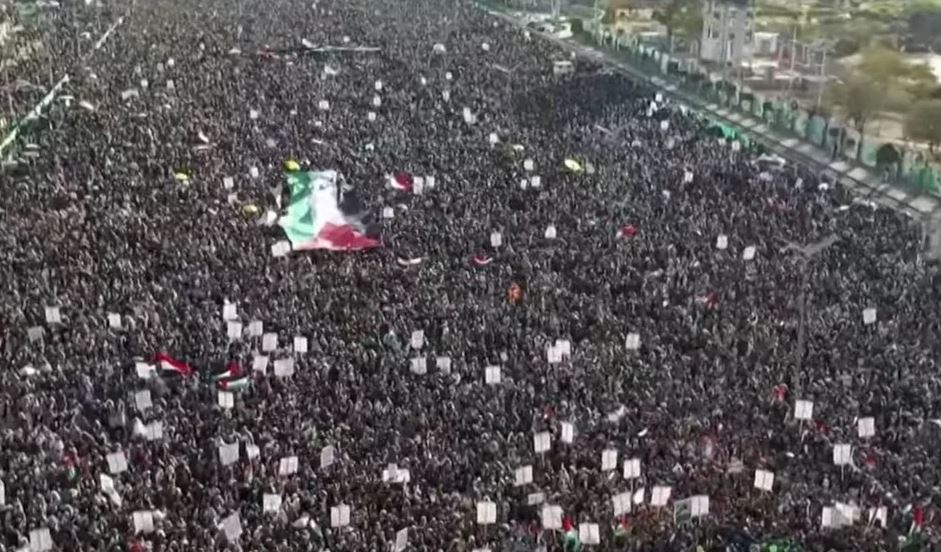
(576, 219)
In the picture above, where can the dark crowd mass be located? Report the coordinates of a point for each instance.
(657, 320)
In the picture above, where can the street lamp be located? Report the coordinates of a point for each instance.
(807, 253)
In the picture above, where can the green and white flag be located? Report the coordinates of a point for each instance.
(321, 216)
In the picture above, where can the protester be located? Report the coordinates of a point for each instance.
(672, 274)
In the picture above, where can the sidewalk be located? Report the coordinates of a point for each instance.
(856, 177)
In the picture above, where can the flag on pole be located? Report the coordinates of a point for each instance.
(232, 370)
(623, 529)
(401, 181)
(170, 364)
(570, 542)
(235, 384)
(320, 216)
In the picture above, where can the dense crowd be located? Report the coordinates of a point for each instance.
(684, 353)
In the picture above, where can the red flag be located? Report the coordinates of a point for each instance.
(918, 518)
(779, 392)
(401, 181)
(628, 231)
(170, 364)
(482, 260)
(567, 524)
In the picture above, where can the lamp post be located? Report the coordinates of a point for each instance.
(807, 253)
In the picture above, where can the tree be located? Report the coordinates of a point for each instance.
(924, 20)
(684, 16)
(889, 69)
(923, 123)
(859, 98)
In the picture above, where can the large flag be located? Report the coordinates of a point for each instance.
(166, 363)
(570, 542)
(320, 216)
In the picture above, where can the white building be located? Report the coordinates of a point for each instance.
(727, 31)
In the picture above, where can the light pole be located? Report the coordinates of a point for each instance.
(807, 253)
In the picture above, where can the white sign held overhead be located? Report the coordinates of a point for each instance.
(281, 248)
(492, 375)
(496, 239)
(869, 316)
(256, 328)
(271, 502)
(153, 431)
(553, 355)
(232, 527)
(142, 400)
(609, 459)
(831, 518)
(443, 363)
(234, 330)
(529, 165)
(417, 340)
(143, 521)
(535, 499)
(300, 344)
(323, 105)
(736, 145)
(117, 462)
(339, 515)
(535, 181)
(388, 213)
(228, 453)
(523, 476)
(749, 253)
(327, 456)
(722, 242)
(622, 504)
(849, 512)
(660, 496)
(114, 321)
(564, 346)
(632, 342)
(260, 364)
(418, 366)
(252, 451)
(551, 232)
(764, 480)
(228, 183)
(688, 177)
(588, 534)
(226, 399)
(284, 367)
(371, 116)
(401, 540)
(551, 517)
(53, 315)
(40, 540)
(700, 506)
(542, 442)
(664, 125)
(866, 427)
(639, 495)
(107, 484)
(804, 410)
(486, 513)
(252, 114)
(568, 432)
(269, 342)
(229, 311)
(842, 454)
(287, 465)
(632, 468)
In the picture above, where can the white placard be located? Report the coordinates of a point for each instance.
(688, 177)
(588, 533)
(803, 410)
(53, 315)
(256, 328)
(117, 462)
(252, 114)
(327, 456)
(622, 503)
(535, 499)
(300, 344)
(535, 181)
(866, 427)
(523, 476)
(764, 480)
(401, 540)
(232, 527)
(493, 138)
(142, 400)
(228, 453)
(496, 239)
(529, 165)
(700, 506)
(284, 367)
(371, 116)
(287, 465)
(271, 502)
(848, 512)
(281, 248)
(664, 125)
(551, 232)
(323, 105)
(269, 342)
(660, 496)
(609, 459)
(842, 454)
(831, 518)
(153, 431)
(568, 432)
(260, 363)
(107, 483)
(234, 330)
(388, 213)
(34, 333)
(253, 172)
(144, 370)
(551, 517)
(114, 321)
(143, 521)
(443, 363)
(564, 346)
(639, 495)
(632, 468)
(252, 452)
(376, 101)
(553, 354)
(229, 312)
(228, 182)
(417, 340)
(542, 442)
(226, 399)
(492, 375)
(339, 515)
(722, 242)
(869, 316)
(40, 540)
(486, 513)
(880, 515)
(749, 253)
(418, 366)
(632, 342)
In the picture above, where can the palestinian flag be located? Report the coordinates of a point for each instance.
(570, 542)
(232, 371)
(627, 231)
(166, 363)
(321, 216)
(401, 181)
(235, 384)
(623, 529)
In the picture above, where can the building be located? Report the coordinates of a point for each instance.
(728, 31)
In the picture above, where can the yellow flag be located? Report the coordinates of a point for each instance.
(249, 209)
(292, 165)
(573, 165)
(181, 177)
